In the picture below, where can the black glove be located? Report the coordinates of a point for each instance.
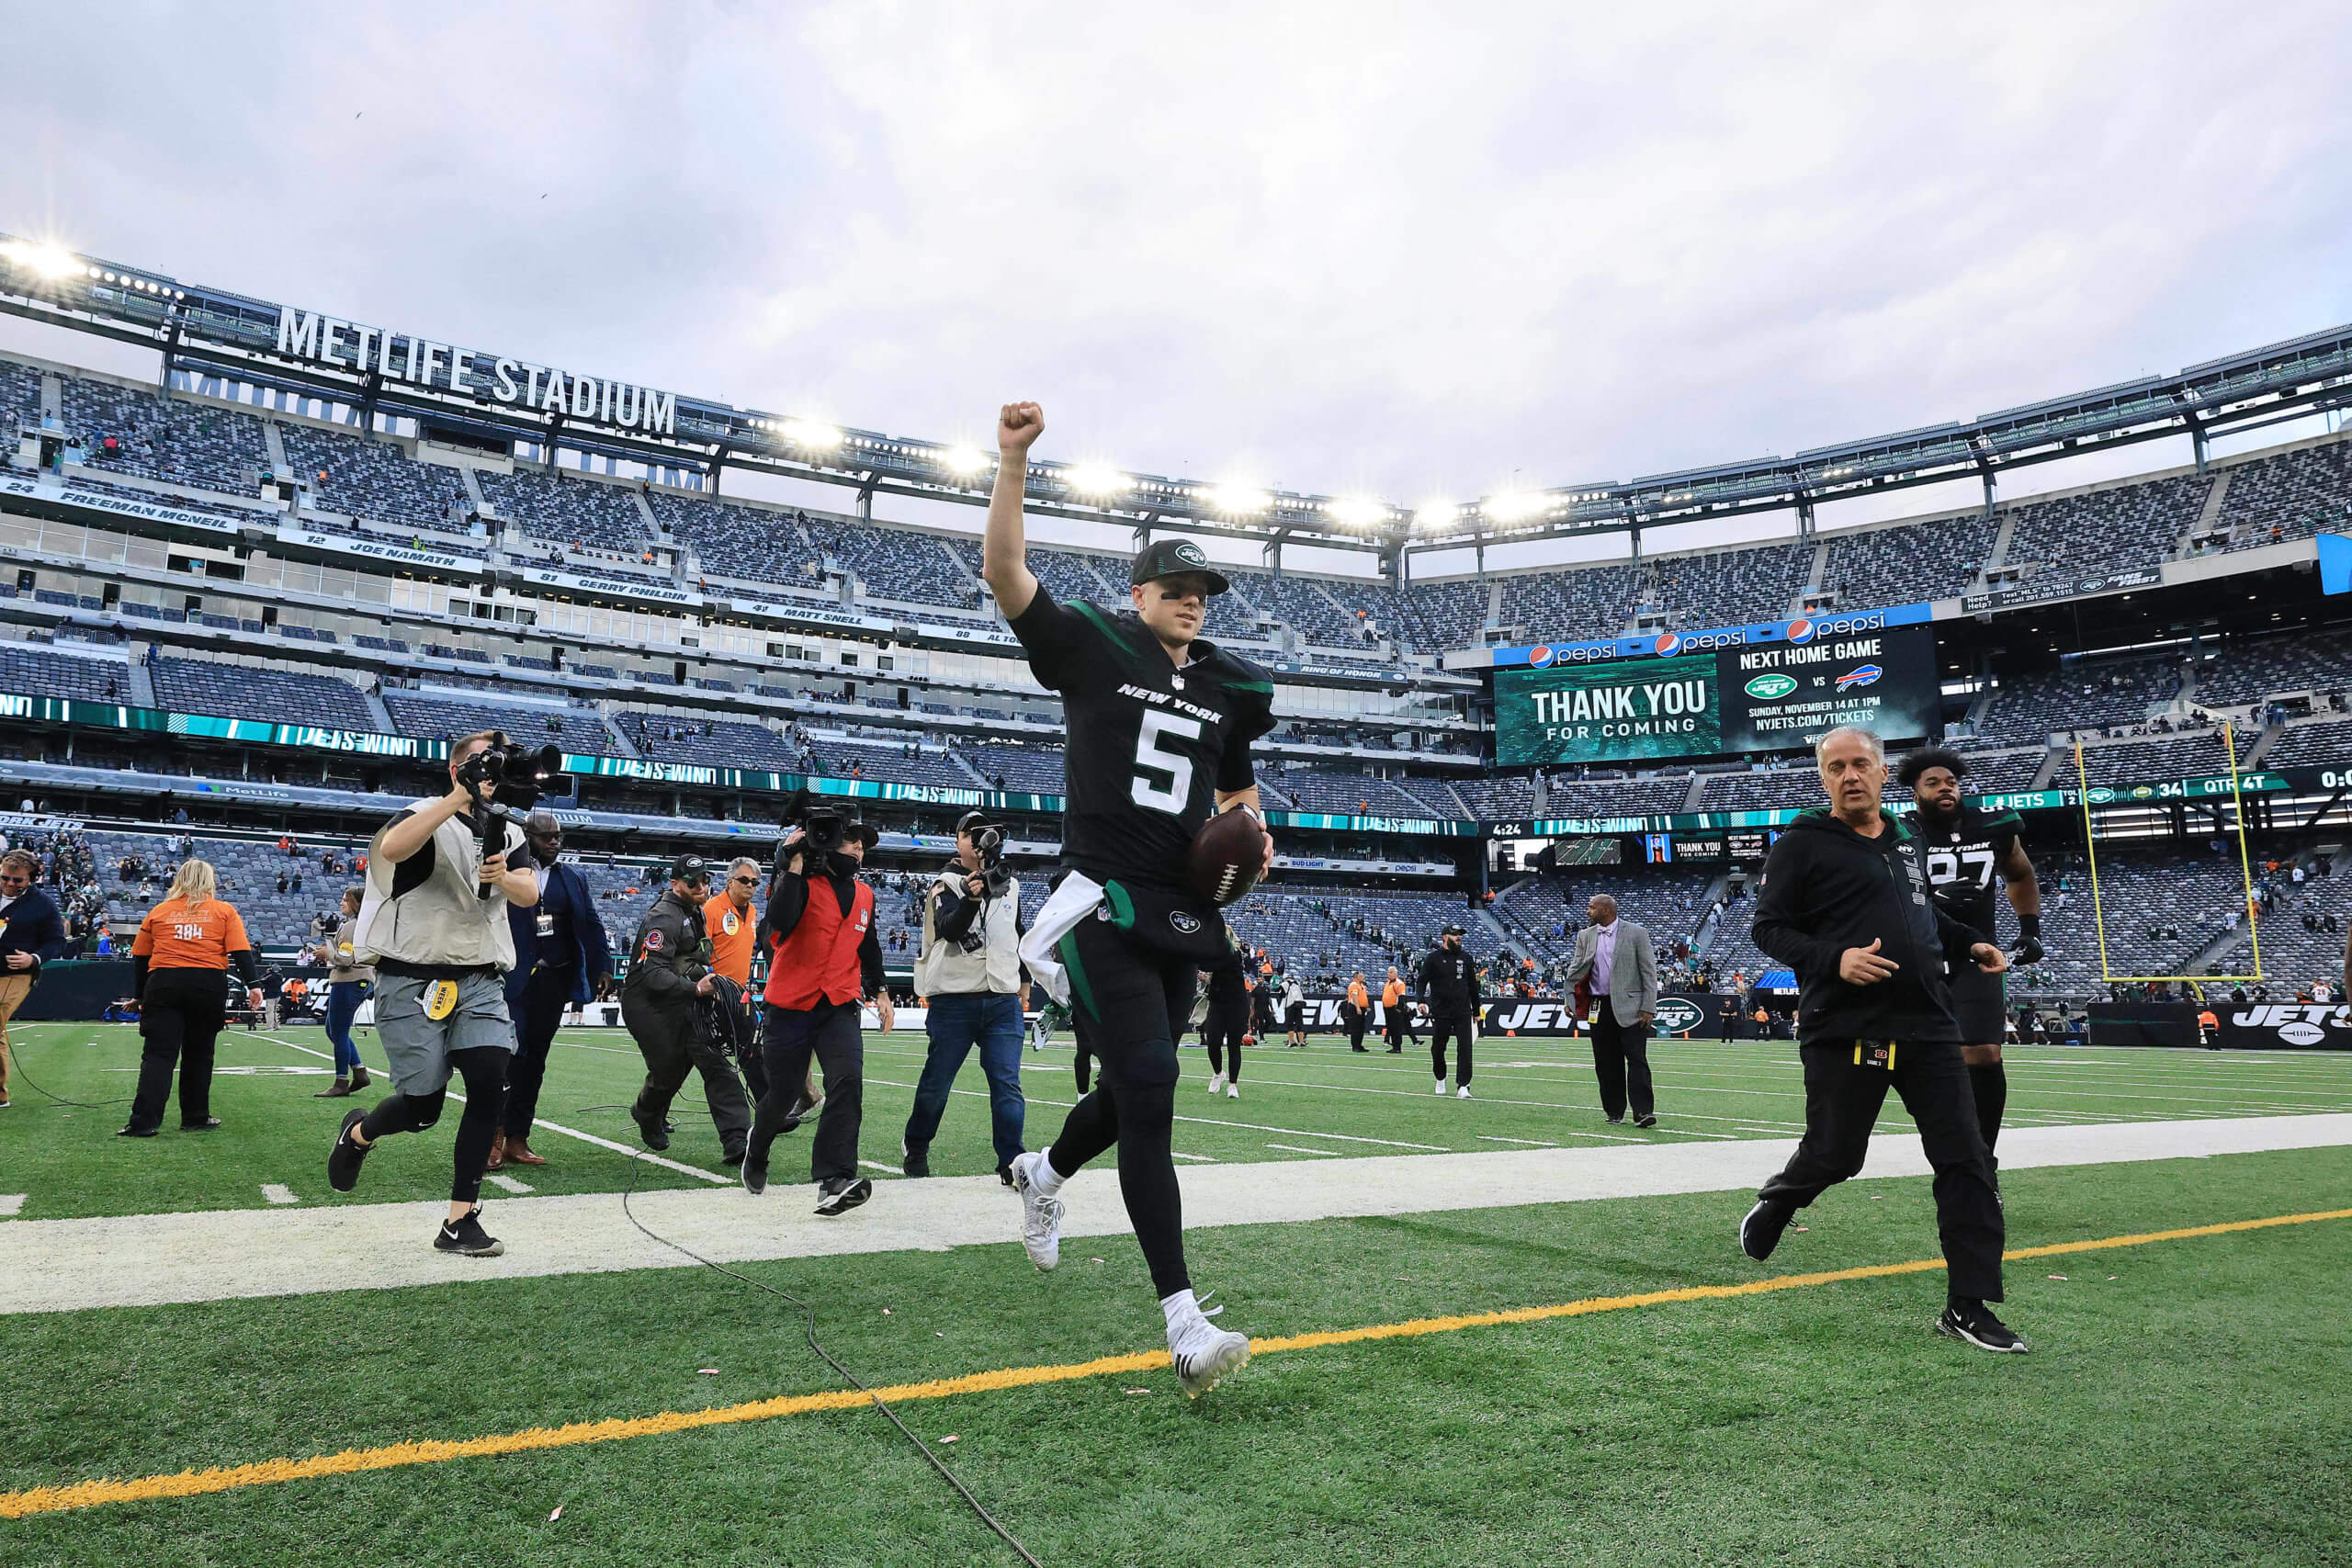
(2029, 948)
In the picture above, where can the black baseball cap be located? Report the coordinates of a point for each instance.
(971, 822)
(1172, 558)
(1452, 930)
(689, 868)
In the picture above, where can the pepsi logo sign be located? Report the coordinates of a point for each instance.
(1668, 642)
(1539, 656)
(1800, 631)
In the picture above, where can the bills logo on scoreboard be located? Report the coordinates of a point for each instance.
(1861, 675)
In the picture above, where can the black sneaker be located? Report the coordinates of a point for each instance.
(653, 1129)
(207, 1125)
(342, 1160)
(1645, 1123)
(1974, 1323)
(755, 1167)
(915, 1162)
(801, 1106)
(842, 1193)
(731, 1156)
(1613, 1120)
(466, 1237)
(1004, 1173)
(136, 1132)
(1760, 1233)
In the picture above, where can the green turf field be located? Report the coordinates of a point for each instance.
(2185, 1402)
(1321, 1102)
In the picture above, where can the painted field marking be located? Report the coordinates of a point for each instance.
(877, 1164)
(1293, 1148)
(551, 1126)
(507, 1183)
(1182, 1154)
(1213, 1122)
(277, 1192)
(353, 1462)
(1531, 1142)
(11, 1205)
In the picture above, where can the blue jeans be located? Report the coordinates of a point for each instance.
(957, 1024)
(343, 1005)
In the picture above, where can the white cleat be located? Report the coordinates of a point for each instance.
(1204, 1355)
(1216, 1082)
(1041, 1217)
(1441, 1089)
(1233, 1092)
(1463, 1093)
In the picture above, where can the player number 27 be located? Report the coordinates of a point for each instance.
(1149, 757)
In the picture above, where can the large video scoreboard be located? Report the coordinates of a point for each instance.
(1758, 697)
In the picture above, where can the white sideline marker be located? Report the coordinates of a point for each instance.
(1295, 1149)
(877, 1164)
(507, 1183)
(1182, 1154)
(11, 1205)
(1531, 1142)
(277, 1194)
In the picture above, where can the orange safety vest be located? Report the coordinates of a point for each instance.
(819, 961)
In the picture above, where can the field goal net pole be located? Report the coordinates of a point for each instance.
(2245, 876)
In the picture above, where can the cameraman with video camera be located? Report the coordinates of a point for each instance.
(969, 972)
(669, 970)
(432, 922)
(824, 957)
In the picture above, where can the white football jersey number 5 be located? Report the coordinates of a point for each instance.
(1155, 726)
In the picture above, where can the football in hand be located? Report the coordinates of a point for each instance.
(1226, 857)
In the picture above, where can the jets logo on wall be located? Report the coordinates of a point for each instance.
(1678, 1015)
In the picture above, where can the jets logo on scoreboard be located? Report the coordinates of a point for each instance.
(1770, 688)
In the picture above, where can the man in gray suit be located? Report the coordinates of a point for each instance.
(1616, 958)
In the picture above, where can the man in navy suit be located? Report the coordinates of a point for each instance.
(559, 955)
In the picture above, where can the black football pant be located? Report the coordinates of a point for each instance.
(1454, 1026)
(1129, 1003)
(1841, 1106)
(539, 1012)
(1621, 1060)
(1355, 1023)
(180, 1017)
(1222, 1035)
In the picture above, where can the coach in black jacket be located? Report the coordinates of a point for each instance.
(1449, 982)
(1845, 905)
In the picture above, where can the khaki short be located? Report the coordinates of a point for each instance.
(419, 1048)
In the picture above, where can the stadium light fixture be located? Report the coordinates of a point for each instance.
(963, 461)
(816, 438)
(46, 261)
(1097, 482)
(1236, 501)
(1434, 516)
(1353, 511)
(1515, 506)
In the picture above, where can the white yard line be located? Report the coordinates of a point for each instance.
(277, 1192)
(1531, 1142)
(1182, 1154)
(1293, 1148)
(711, 1177)
(508, 1184)
(1213, 1122)
(11, 1205)
(66, 1265)
(877, 1164)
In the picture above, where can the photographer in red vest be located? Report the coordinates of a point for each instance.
(825, 959)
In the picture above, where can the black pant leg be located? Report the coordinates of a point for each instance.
(1608, 1064)
(839, 1042)
(1841, 1106)
(1934, 1084)
(786, 1046)
(161, 1030)
(661, 1040)
(205, 1017)
(1633, 1050)
(538, 1014)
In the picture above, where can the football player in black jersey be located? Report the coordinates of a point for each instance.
(1966, 850)
(1159, 723)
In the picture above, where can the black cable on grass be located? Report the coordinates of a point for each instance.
(18, 1057)
(808, 1331)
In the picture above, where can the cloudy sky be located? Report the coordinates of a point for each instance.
(1413, 251)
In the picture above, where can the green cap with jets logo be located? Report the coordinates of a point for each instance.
(1172, 557)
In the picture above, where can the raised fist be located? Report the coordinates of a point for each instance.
(1018, 426)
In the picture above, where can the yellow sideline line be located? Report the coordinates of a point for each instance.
(197, 1482)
